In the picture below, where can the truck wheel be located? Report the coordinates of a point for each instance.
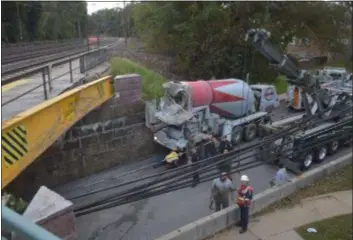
(236, 136)
(320, 154)
(306, 160)
(332, 147)
(250, 132)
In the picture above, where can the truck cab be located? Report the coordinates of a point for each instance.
(266, 97)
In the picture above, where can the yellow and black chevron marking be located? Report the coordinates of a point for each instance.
(14, 145)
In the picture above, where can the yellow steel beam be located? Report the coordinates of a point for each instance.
(26, 136)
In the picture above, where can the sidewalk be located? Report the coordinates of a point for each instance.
(280, 224)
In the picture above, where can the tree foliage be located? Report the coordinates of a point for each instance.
(111, 22)
(206, 39)
(35, 20)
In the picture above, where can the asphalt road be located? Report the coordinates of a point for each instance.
(153, 217)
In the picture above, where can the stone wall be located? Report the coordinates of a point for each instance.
(108, 136)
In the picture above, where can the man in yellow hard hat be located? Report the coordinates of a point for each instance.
(173, 157)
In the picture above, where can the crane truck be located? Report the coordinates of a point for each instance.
(325, 126)
(332, 79)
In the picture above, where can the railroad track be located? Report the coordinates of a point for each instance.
(11, 54)
(39, 55)
(37, 66)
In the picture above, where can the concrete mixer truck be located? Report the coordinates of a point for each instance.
(193, 111)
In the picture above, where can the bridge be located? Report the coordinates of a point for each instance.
(32, 97)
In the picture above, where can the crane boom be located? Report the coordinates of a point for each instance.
(316, 100)
(281, 62)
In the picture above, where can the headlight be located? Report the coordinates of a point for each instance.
(155, 138)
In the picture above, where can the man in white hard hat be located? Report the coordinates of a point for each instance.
(245, 195)
(221, 188)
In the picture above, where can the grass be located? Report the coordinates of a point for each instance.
(151, 81)
(338, 181)
(281, 84)
(342, 63)
(335, 228)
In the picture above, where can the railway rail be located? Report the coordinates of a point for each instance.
(41, 56)
(9, 56)
(35, 67)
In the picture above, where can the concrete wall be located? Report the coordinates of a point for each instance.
(108, 136)
(52, 212)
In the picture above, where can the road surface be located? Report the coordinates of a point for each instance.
(151, 218)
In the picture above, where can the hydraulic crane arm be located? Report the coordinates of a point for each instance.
(316, 99)
(260, 40)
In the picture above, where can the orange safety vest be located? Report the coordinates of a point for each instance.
(244, 195)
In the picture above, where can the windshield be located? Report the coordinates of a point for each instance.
(179, 128)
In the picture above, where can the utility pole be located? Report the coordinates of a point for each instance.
(19, 21)
(125, 23)
(79, 29)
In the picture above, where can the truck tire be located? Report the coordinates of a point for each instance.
(250, 132)
(320, 154)
(333, 147)
(306, 160)
(236, 136)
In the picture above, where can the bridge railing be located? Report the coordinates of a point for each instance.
(13, 222)
(88, 60)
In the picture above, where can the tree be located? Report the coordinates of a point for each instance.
(35, 20)
(207, 38)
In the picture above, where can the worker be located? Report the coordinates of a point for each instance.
(221, 188)
(225, 145)
(202, 150)
(212, 146)
(245, 195)
(281, 176)
(173, 157)
(226, 166)
(196, 176)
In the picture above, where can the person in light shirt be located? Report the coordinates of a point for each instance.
(281, 176)
(221, 188)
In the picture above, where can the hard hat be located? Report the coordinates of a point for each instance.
(223, 174)
(244, 178)
(174, 149)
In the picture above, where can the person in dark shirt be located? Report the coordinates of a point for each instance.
(196, 176)
(225, 145)
(212, 147)
(225, 166)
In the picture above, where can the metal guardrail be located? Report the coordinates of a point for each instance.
(99, 55)
(14, 222)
